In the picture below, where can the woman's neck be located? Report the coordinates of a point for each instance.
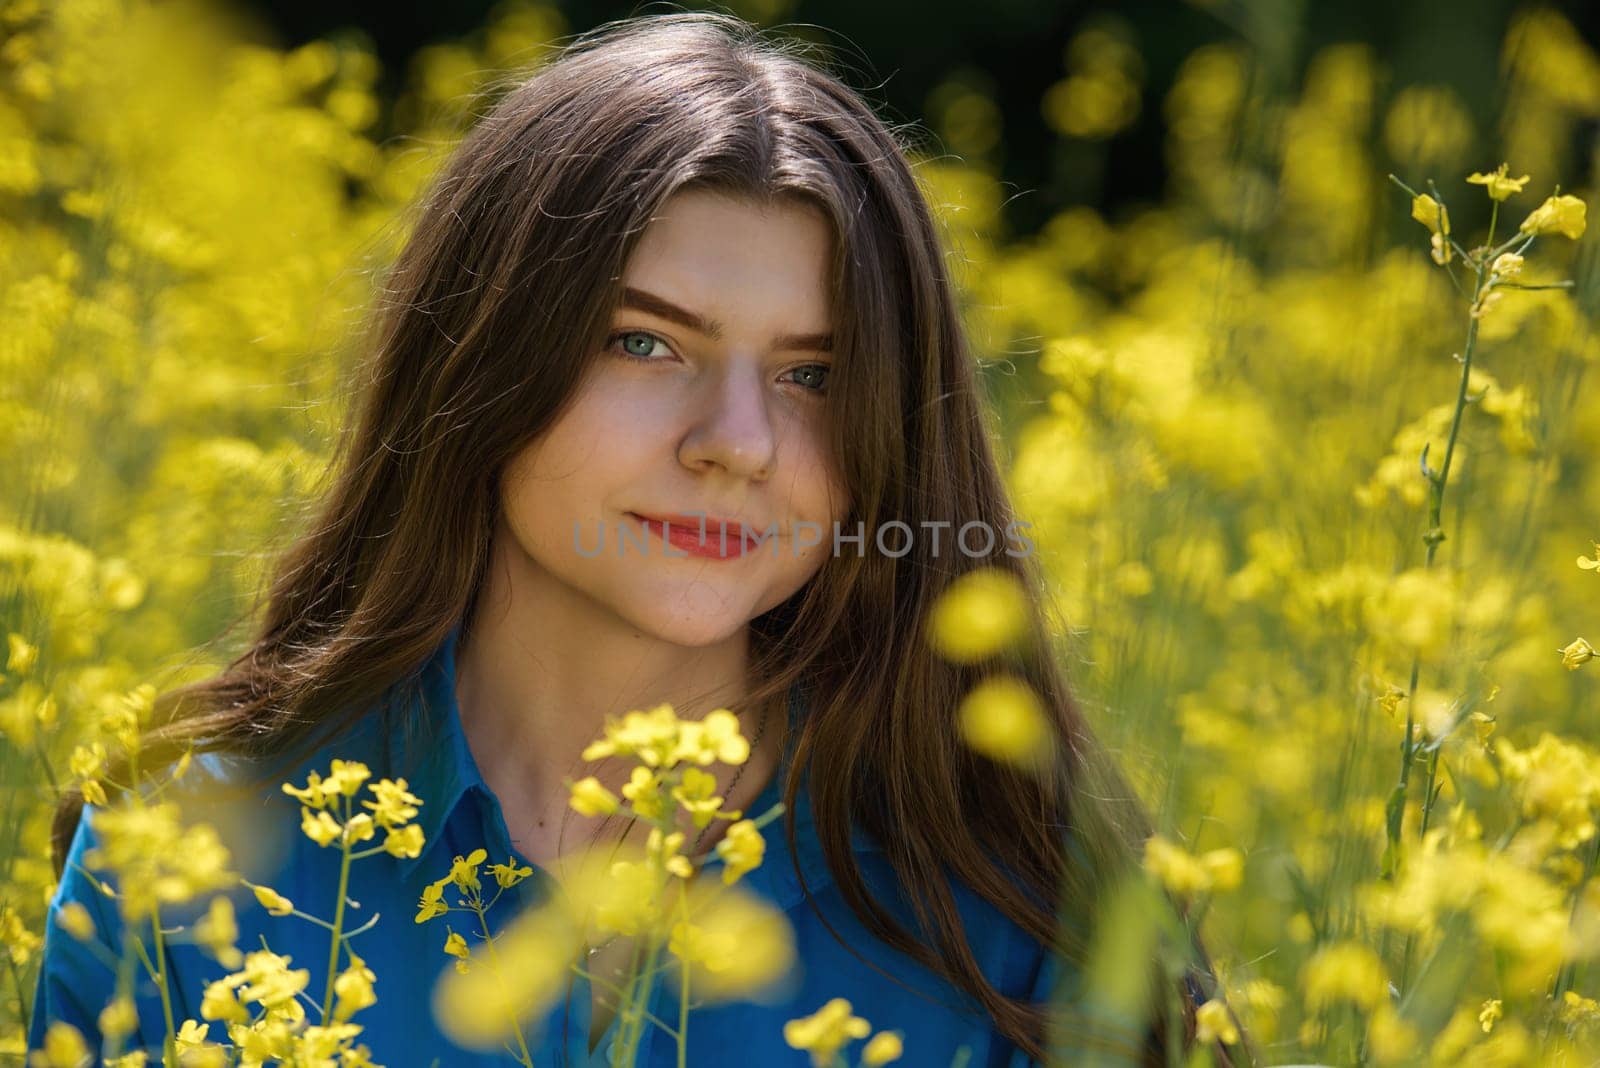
(541, 666)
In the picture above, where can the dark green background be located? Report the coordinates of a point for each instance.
(904, 49)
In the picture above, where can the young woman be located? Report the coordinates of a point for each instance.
(679, 276)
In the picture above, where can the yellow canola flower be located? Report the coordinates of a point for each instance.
(218, 932)
(715, 738)
(734, 945)
(157, 860)
(697, 793)
(483, 1006)
(1344, 971)
(74, 919)
(119, 1018)
(1003, 719)
(825, 1031)
(882, 1048)
(1591, 564)
(1185, 874)
(509, 874)
(590, 798)
(1214, 1023)
(643, 792)
(982, 613)
(456, 946)
(663, 853)
(275, 903)
(352, 990)
(1430, 213)
(395, 805)
(63, 1047)
(1577, 654)
(742, 849)
(1491, 1012)
(319, 826)
(1506, 265)
(1562, 215)
(1499, 185)
(21, 654)
(404, 842)
(464, 871)
(432, 903)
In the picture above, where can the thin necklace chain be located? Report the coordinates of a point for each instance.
(761, 729)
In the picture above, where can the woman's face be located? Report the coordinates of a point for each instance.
(708, 401)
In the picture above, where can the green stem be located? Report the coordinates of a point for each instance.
(338, 924)
(169, 1044)
(1568, 969)
(683, 1002)
(1431, 537)
(524, 1057)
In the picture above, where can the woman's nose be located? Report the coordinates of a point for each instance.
(733, 426)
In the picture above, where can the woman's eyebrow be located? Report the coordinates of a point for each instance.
(649, 302)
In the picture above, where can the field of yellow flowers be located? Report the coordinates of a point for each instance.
(1306, 445)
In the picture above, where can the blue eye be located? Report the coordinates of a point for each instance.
(819, 381)
(620, 335)
(818, 371)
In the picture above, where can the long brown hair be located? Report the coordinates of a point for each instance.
(483, 328)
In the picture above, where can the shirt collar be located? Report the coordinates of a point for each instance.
(427, 745)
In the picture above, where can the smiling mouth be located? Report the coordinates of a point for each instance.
(710, 539)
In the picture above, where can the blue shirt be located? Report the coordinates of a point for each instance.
(460, 814)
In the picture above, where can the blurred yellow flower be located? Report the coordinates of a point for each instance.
(218, 931)
(589, 798)
(119, 1018)
(484, 1005)
(1557, 215)
(715, 738)
(1591, 564)
(978, 615)
(1577, 654)
(1499, 185)
(1185, 874)
(74, 919)
(63, 1047)
(882, 1048)
(734, 945)
(1344, 971)
(1003, 719)
(741, 849)
(643, 791)
(1214, 1023)
(825, 1031)
(697, 794)
(1390, 1037)
(1490, 1013)
(21, 654)
(1505, 265)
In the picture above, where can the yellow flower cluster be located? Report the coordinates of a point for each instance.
(326, 814)
(834, 1026)
(1185, 874)
(156, 859)
(260, 1008)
